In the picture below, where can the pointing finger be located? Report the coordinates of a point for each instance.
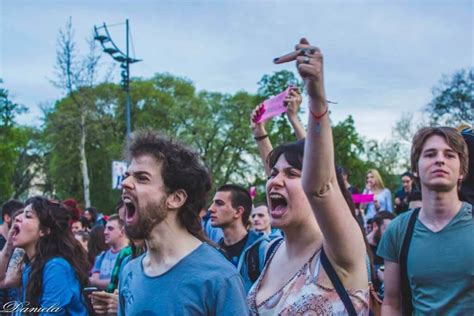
(286, 58)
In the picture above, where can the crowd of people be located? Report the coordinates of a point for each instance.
(171, 249)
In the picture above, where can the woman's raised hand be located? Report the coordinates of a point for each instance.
(309, 62)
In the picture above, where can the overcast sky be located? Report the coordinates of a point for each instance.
(382, 57)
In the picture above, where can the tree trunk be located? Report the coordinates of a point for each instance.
(84, 169)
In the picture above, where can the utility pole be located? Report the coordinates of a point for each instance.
(103, 36)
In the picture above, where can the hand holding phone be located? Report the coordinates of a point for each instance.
(89, 290)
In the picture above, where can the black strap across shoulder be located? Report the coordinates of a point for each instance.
(272, 247)
(336, 282)
(407, 307)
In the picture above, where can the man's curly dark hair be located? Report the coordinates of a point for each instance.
(182, 168)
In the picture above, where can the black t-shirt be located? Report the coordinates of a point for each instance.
(404, 200)
(3, 241)
(234, 251)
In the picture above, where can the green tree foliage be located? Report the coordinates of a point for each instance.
(104, 144)
(348, 149)
(215, 124)
(453, 100)
(19, 161)
(76, 75)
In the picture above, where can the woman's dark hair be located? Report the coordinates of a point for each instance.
(96, 243)
(93, 211)
(58, 241)
(84, 223)
(407, 174)
(293, 153)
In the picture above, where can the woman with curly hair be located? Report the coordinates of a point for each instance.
(55, 264)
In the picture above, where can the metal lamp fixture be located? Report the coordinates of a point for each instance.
(102, 35)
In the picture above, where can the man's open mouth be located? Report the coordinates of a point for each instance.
(130, 208)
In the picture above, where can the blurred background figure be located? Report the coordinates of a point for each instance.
(96, 244)
(467, 187)
(72, 206)
(81, 225)
(382, 195)
(402, 194)
(83, 238)
(414, 200)
(94, 217)
(261, 219)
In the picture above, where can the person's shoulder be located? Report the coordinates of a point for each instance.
(255, 237)
(127, 251)
(400, 222)
(133, 263)
(58, 264)
(466, 211)
(466, 207)
(214, 261)
(399, 192)
(101, 254)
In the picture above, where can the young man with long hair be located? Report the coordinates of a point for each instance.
(432, 273)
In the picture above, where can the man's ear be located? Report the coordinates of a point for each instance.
(176, 199)
(122, 231)
(239, 211)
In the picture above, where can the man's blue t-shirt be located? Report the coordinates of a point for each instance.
(202, 283)
(61, 291)
(104, 264)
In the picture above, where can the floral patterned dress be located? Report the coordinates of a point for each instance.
(304, 295)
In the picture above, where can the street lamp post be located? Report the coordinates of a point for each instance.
(103, 36)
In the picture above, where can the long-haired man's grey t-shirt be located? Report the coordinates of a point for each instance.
(202, 283)
(440, 265)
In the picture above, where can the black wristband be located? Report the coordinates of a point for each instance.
(257, 138)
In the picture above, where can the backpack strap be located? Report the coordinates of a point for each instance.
(341, 291)
(271, 249)
(253, 262)
(407, 307)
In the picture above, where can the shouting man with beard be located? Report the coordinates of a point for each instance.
(166, 186)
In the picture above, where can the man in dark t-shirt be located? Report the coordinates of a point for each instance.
(233, 252)
(230, 210)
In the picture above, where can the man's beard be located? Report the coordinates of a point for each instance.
(148, 217)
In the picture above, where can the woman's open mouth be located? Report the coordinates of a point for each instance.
(278, 205)
(16, 231)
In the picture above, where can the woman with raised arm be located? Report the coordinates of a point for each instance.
(55, 264)
(292, 102)
(302, 270)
